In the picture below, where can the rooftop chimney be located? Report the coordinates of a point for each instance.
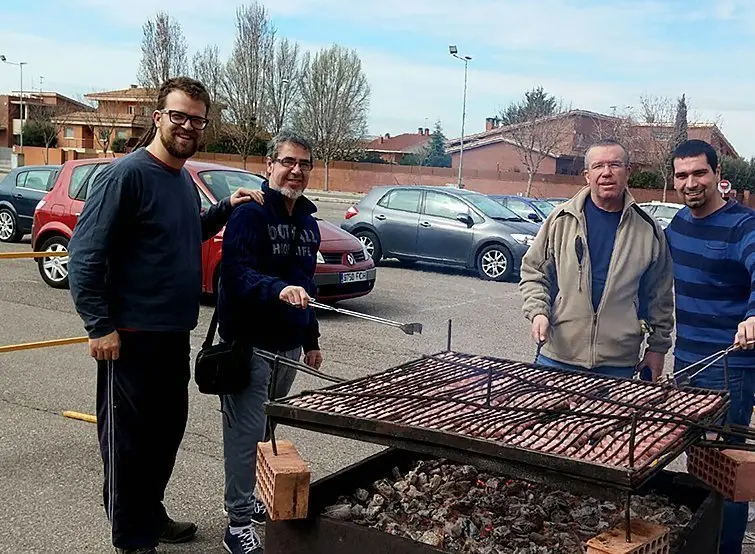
(419, 131)
(134, 86)
(387, 135)
(492, 123)
(427, 131)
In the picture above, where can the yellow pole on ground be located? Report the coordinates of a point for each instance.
(89, 418)
(20, 255)
(42, 344)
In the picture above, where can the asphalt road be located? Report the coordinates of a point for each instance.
(50, 489)
(50, 465)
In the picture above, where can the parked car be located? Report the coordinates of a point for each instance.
(20, 192)
(662, 212)
(441, 225)
(531, 209)
(556, 200)
(344, 270)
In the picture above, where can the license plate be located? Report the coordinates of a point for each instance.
(353, 276)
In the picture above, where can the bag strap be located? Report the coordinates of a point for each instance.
(211, 329)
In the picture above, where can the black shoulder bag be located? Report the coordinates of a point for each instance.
(221, 368)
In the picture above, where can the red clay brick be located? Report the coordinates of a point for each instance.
(283, 481)
(647, 538)
(730, 472)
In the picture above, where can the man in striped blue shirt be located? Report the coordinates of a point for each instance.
(712, 243)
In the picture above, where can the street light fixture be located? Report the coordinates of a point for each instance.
(20, 97)
(455, 53)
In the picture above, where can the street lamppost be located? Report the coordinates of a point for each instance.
(455, 53)
(21, 97)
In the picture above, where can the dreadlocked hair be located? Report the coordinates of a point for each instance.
(191, 87)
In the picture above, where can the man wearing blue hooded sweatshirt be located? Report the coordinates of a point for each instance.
(268, 266)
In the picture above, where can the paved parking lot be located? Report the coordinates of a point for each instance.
(51, 467)
(51, 471)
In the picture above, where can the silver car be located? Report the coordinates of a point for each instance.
(445, 226)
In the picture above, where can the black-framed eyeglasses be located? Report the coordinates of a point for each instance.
(180, 118)
(290, 163)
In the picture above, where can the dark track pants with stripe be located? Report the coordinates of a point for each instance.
(142, 407)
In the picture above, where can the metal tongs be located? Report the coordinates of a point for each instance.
(408, 328)
(684, 376)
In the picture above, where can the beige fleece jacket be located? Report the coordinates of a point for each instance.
(554, 283)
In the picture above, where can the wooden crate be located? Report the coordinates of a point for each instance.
(283, 481)
(730, 472)
(647, 538)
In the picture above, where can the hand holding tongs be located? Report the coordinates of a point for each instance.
(408, 328)
(705, 363)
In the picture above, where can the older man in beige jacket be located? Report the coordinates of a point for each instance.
(597, 267)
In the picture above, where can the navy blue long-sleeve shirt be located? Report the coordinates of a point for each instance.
(258, 263)
(714, 280)
(135, 257)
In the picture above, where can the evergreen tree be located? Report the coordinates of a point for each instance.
(435, 150)
(536, 104)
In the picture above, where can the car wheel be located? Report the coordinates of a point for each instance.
(371, 243)
(9, 231)
(54, 271)
(495, 263)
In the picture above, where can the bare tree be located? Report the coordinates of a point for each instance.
(244, 80)
(104, 123)
(208, 69)
(163, 51)
(335, 99)
(49, 120)
(655, 132)
(539, 129)
(282, 84)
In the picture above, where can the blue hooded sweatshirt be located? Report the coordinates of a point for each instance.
(260, 259)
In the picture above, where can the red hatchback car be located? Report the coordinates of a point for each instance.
(344, 269)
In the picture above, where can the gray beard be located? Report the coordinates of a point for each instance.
(290, 193)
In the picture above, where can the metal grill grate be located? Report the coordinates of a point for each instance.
(628, 428)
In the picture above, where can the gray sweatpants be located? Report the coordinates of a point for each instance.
(244, 427)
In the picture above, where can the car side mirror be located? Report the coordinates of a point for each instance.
(534, 217)
(466, 219)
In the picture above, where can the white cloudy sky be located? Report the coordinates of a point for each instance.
(593, 54)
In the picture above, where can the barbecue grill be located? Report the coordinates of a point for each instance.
(586, 432)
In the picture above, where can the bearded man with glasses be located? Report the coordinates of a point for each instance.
(267, 279)
(135, 269)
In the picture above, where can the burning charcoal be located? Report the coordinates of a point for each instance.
(385, 489)
(372, 511)
(357, 511)
(377, 500)
(524, 526)
(433, 537)
(396, 473)
(361, 495)
(401, 486)
(421, 480)
(412, 478)
(435, 482)
(465, 473)
(586, 516)
(468, 528)
(453, 529)
(492, 483)
(538, 539)
(339, 511)
(414, 493)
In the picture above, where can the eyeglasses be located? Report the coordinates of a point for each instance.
(290, 163)
(613, 166)
(180, 118)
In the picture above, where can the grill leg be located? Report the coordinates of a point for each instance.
(271, 429)
(628, 517)
(448, 342)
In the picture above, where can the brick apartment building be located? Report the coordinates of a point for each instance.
(393, 149)
(11, 119)
(120, 114)
(495, 150)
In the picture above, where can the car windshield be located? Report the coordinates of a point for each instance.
(544, 206)
(665, 212)
(222, 183)
(491, 208)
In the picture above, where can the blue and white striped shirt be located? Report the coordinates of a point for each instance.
(714, 268)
